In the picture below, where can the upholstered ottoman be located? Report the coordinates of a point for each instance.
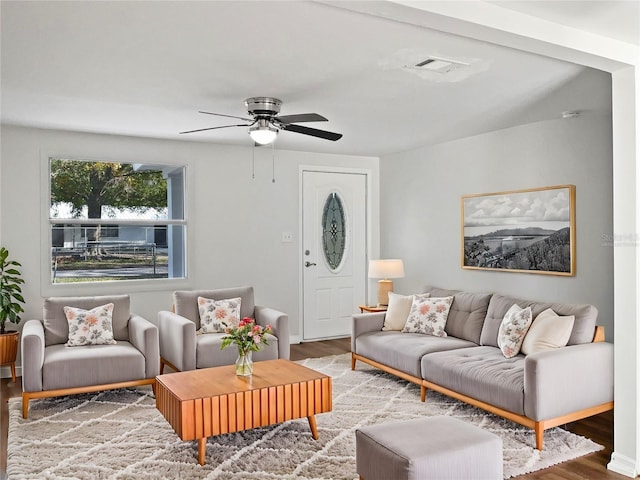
(437, 448)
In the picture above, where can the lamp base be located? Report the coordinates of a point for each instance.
(384, 287)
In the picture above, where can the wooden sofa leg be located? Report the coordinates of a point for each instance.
(423, 393)
(25, 405)
(353, 362)
(161, 365)
(539, 435)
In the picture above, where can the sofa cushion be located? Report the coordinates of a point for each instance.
(514, 327)
(548, 331)
(428, 316)
(91, 365)
(56, 327)
(482, 373)
(583, 327)
(185, 302)
(398, 311)
(403, 351)
(208, 353)
(467, 313)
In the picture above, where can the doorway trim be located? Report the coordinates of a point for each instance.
(373, 248)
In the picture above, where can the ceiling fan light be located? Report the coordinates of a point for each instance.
(264, 135)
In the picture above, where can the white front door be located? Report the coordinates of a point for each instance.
(334, 251)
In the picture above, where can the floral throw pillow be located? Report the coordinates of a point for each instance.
(514, 327)
(90, 327)
(398, 311)
(214, 314)
(428, 315)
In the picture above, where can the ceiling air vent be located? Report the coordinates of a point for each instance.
(440, 65)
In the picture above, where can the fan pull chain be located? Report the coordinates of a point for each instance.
(273, 163)
(253, 162)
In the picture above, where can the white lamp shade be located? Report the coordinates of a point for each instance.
(390, 268)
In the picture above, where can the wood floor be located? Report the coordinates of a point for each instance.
(598, 428)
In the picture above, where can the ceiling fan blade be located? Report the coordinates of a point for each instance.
(228, 116)
(215, 128)
(314, 132)
(301, 117)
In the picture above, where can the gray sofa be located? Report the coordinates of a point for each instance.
(182, 349)
(540, 390)
(50, 369)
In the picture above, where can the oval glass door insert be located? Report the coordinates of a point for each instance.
(334, 232)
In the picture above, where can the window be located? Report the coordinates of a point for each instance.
(333, 231)
(116, 221)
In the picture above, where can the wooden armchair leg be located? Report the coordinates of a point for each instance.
(25, 405)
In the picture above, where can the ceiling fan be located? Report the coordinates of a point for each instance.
(265, 123)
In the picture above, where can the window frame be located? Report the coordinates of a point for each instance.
(48, 287)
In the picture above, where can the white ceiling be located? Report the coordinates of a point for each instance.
(145, 68)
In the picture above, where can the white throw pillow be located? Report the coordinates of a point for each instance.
(428, 316)
(90, 327)
(514, 327)
(398, 310)
(548, 331)
(214, 314)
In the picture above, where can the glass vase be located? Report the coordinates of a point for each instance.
(244, 364)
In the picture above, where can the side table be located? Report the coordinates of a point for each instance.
(372, 308)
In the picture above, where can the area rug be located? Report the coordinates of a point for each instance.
(119, 435)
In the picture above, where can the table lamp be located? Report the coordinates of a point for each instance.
(385, 269)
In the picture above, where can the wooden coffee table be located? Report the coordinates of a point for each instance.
(212, 401)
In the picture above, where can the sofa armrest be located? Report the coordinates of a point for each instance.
(363, 323)
(144, 336)
(279, 322)
(32, 348)
(565, 380)
(177, 340)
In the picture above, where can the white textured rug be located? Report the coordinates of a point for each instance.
(120, 435)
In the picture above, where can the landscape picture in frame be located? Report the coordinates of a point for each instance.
(530, 231)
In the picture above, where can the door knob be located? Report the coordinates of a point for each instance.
(309, 264)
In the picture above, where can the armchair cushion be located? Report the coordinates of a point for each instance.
(209, 354)
(216, 315)
(91, 365)
(56, 327)
(90, 327)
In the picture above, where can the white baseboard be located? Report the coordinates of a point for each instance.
(294, 339)
(5, 371)
(623, 465)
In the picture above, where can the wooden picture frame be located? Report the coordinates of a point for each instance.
(528, 231)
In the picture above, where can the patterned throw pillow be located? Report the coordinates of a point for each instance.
(428, 315)
(214, 312)
(90, 327)
(514, 327)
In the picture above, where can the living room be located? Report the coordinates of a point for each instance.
(233, 218)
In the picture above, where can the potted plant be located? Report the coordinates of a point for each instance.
(10, 309)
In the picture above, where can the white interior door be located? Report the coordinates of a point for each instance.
(334, 251)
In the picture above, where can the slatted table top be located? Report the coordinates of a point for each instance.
(212, 382)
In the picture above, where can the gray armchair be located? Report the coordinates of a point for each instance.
(50, 369)
(181, 348)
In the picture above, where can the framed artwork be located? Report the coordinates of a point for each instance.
(531, 231)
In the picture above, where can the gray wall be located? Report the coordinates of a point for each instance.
(235, 222)
(420, 212)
